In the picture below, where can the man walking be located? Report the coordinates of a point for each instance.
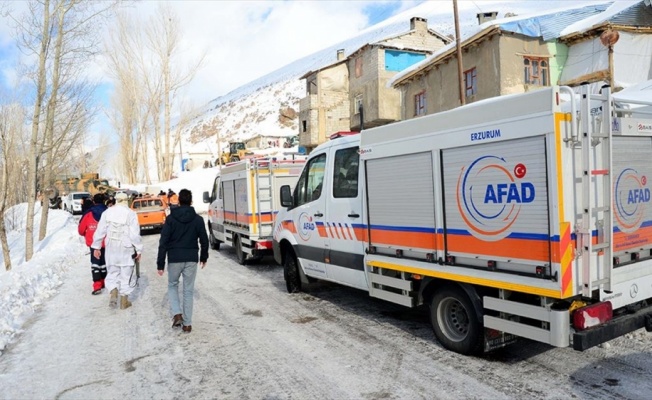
(182, 229)
(119, 230)
(87, 227)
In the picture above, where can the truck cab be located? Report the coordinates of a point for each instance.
(215, 202)
(325, 209)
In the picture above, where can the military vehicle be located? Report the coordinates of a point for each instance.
(88, 182)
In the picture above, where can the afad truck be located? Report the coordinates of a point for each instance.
(511, 217)
(244, 202)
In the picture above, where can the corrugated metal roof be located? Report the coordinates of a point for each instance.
(638, 15)
(549, 26)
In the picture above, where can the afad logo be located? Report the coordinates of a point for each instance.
(490, 194)
(631, 197)
(306, 226)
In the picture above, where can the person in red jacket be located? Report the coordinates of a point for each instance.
(86, 228)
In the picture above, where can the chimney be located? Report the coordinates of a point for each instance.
(340, 54)
(418, 24)
(486, 16)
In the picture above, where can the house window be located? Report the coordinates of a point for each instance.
(358, 104)
(312, 86)
(420, 103)
(536, 71)
(358, 67)
(304, 125)
(471, 81)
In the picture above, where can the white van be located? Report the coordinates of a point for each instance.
(72, 202)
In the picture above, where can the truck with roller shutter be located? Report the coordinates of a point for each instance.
(520, 216)
(243, 204)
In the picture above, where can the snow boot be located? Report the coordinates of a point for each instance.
(124, 302)
(113, 301)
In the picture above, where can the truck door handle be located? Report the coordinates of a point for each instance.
(318, 214)
(354, 215)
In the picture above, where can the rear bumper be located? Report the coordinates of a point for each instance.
(151, 227)
(617, 327)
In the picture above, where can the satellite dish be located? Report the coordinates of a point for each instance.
(609, 37)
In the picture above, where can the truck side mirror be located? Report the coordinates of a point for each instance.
(286, 196)
(207, 197)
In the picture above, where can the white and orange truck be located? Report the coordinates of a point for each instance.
(519, 216)
(244, 201)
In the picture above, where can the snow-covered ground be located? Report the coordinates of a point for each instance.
(29, 284)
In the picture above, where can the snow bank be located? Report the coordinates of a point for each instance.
(28, 284)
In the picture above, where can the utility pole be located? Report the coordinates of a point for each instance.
(219, 148)
(458, 40)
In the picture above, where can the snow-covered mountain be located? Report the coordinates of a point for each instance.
(269, 105)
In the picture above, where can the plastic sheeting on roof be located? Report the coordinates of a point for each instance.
(551, 25)
(584, 25)
(632, 59)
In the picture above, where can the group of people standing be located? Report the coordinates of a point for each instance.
(112, 232)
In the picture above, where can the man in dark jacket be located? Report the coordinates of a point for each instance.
(183, 227)
(87, 226)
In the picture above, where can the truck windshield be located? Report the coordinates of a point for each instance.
(238, 146)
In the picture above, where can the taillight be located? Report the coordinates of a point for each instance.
(593, 315)
(264, 245)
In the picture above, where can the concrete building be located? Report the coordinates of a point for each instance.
(351, 94)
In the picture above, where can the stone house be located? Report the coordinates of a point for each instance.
(351, 94)
(510, 55)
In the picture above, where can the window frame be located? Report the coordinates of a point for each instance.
(357, 102)
(471, 89)
(345, 185)
(420, 104)
(532, 63)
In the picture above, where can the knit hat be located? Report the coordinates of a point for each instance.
(121, 198)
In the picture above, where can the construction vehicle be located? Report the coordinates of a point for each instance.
(87, 182)
(244, 203)
(518, 216)
(237, 151)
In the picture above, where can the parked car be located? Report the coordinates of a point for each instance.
(72, 202)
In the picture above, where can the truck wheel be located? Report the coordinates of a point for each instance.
(455, 321)
(291, 273)
(215, 244)
(242, 256)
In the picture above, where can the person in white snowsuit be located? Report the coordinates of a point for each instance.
(123, 246)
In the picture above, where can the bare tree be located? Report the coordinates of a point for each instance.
(11, 123)
(63, 36)
(144, 64)
(165, 40)
(132, 100)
